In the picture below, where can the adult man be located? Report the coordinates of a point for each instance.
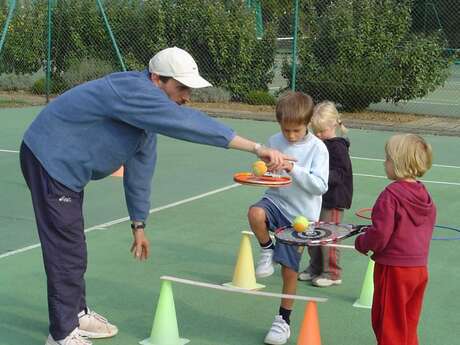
(86, 134)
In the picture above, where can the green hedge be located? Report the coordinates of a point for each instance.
(361, 52)
(219, 34)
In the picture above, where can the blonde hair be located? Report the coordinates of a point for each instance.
(295, 108)
(411, 155)
(325, 115)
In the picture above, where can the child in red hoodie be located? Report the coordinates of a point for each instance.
(403, 219)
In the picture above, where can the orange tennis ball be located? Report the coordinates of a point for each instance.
(259, 168)
(300, 223)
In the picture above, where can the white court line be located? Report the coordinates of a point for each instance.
(241, 290)
(433, 103)
(381, 160)
(124, 219)
(9, 151)
(424, 181)
(353, 157)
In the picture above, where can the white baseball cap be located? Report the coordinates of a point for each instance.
(178, 64)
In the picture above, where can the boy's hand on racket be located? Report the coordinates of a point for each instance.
(275, 160)
(288, 166)
(141, 246)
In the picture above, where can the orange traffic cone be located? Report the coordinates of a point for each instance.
(119, 172)
(309, 331)
(244, 276)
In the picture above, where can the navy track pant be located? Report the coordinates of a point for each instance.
(59, 217)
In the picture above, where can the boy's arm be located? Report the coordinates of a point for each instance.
(315, 179)
(377, 236)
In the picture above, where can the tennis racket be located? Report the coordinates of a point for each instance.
(318, 233)
(267, 180)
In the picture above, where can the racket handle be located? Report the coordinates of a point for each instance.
(361, 228)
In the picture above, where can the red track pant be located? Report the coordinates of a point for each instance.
(397, 303)
(325, 261)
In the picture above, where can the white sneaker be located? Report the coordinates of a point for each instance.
(93, 325)
(73, 338)
(265, 267)
(279, 333)
(321, 281)
(306, 276)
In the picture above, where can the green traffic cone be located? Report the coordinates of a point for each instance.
(367, 291)
(164, 329)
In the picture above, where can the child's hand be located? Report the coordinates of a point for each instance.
(288, 166)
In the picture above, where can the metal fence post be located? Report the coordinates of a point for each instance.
(49, 46)
(112, 37)
(294, 45)
(7, 22)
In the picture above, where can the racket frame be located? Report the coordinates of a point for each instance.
(308, 242)
(267, 180)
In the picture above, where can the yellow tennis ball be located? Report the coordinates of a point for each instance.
(259, 168)
(300, 223)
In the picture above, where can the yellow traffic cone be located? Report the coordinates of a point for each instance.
(367, 291)
(244, 276)
(164, 329)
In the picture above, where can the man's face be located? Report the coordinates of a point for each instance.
(176, 91)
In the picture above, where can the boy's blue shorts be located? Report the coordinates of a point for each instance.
(286, 255)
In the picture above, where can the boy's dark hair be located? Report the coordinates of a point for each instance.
(294, 107)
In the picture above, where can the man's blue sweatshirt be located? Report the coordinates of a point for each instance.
(91, 130)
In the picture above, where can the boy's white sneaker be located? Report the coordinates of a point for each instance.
(265, 267)
(73, 338)
(321, 281)
(279, 332)
(93, 325)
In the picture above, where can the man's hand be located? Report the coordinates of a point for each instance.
(275, 160)
(141, 245)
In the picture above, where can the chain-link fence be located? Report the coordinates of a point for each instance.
(359, 53)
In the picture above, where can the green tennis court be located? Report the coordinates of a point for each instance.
(195, 230)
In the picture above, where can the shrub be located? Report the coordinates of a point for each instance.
(81, 71)
(260, 98)
(362, 52)
(24, 47)
(56, 86)
(211, 95)
(15, 82)
(221, 36)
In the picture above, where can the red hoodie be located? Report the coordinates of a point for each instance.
(403, 219)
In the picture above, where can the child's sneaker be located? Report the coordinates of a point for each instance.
(306, 276)
(321, 281)
(93, 325)
(265, 267)
(279, 333)
(73, 338)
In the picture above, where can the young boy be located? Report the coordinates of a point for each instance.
(403, 218)
(279, 206)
